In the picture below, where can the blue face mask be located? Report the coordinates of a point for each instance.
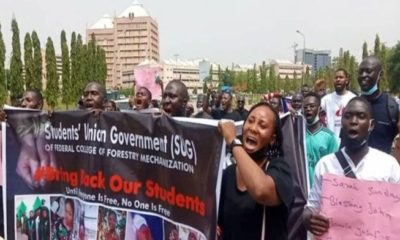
(371, 91)
(316, 119)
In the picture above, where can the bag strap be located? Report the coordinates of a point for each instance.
(263, 226)
(348, 172)
(263, 222)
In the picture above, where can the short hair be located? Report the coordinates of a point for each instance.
(101, 87)
(37, 93)
(229, 93)
(147, 90)
(113, 104)
(182, 86)
(315, 95)
(363, 100)
(346, 73)
(319, 83)
(240, 98)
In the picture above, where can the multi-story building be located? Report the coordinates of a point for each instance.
(287, 68)
(317, 59)
(128, 39)
(187, 71)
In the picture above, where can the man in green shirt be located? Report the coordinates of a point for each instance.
(320, 141)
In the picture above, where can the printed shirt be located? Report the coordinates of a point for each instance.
(320, 143)
(375, 166)
(333, 105)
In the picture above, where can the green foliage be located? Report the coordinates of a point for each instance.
(102, 65)
(66, 92)
(272, 78)
(226, 78)
(263, 77)
(91, 63)
(52, 86)
(383, 57)
(16, 81)
(37, 63)
(28, 62)
(80, 65)
(76, 92)
(377, 46)
(364, 50)
(353, 69)
(393, 69)
(3, 83)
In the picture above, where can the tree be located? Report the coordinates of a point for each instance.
(102, 67)
(272, 78)
(66, 92)
(352, 69)
(263, 77)
(286, 84)
(16, 81)
(80, 65)
(3, 83)
(84, 67)
(364, 50)
(28, 62)
(75, 91)
(219, 75)
(254, 80)
(377, 46)
(384, 85)
(37, 63)
(393, 69)
(52, 90)
(92, 64)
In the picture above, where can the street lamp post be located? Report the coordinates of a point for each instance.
(304, 55)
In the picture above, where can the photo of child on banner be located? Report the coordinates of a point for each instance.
(32, 217)
(111, 224)
(65, 218)
(142, 227)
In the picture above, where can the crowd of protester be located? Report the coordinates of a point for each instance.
(343, 131)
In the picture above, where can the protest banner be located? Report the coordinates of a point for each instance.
(360, 209)
(75, 175)
(204, 70)
(293, 130)
(147, 76)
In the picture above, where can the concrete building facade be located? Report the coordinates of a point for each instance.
(287, 68)
(128, 39)
(318, 59)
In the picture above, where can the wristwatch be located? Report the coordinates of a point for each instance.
(234, 143)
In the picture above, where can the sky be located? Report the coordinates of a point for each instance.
(223, 31)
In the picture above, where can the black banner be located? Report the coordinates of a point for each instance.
(76, 175)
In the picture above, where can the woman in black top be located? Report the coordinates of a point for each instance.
(257, 191)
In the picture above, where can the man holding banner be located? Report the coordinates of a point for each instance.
(354, 160)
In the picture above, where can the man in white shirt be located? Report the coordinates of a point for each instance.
(334, 103)
(365, 162)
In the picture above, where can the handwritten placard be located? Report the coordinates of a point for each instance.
(147, 77)
(359, 209)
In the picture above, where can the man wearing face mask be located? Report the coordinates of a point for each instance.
(385, 110)
(320, 141)
(355, 160)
